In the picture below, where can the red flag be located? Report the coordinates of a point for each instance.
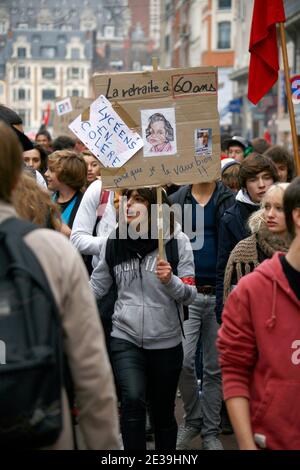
(46, 115)
(264, 64)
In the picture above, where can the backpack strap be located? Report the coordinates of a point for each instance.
(14, 230)
(104, 196)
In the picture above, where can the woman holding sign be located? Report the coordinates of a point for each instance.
(147, 321)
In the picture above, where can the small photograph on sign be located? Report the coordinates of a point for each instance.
(63, 107)
(159, 132)
(203, 141)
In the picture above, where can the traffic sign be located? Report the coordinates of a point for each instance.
(295, 81)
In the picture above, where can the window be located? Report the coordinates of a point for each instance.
(25, 115)
(224, 4)
(109, 31)
(75, 93)
(2, 27)
(73, 72)
(48, 52)
(21, 72)
(22, 26)
(48, 72)
(75, 53)
(21, 52)
(48, 95)
(224, 31)
(21, 94)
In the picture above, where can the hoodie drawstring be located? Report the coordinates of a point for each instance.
(270, 323)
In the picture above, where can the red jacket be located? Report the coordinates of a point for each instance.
(259, 345)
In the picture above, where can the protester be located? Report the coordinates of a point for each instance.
(83, 341)
(230, 169)
(283, 162)
(269, 234)
(259, 346)
(33, 203)
(43, 138)
(94, 221)
(238, 148)
(36, 159)
(257, 174)
(146, 335)
(14, 121)
(260, 145)
(202, 416)
(66, 176)
(63, 142)
(93, 166)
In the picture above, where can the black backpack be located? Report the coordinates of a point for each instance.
(31, 374)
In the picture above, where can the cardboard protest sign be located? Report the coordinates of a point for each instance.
(106, 135)
(175, 111)
(66, 110)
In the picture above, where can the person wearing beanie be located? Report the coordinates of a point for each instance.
(12, 119)
(230, 174)
(238, 148)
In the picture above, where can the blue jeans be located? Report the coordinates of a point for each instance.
(203, 411)
(147, 375)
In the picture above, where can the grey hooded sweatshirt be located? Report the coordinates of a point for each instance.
(146, 311)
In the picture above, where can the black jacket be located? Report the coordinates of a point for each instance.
(233, 228)
(223, 199)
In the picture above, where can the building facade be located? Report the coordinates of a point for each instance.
(50, 48)
(44, 66)
(201, 33)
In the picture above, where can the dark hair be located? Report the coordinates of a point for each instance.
(45, 133)
(44, 157)
(9, 116)
(70, 168)
(157, 117)
(254, 164)
(63, 142)
(291, 201)
(150, 195)
(260, 145)
(11, 161)
(280, 155)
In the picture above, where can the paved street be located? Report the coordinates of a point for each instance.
(229, 441)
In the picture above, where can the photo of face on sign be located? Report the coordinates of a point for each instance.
(159, 132)
(203, 141)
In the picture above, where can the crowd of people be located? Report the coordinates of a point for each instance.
(133, 323)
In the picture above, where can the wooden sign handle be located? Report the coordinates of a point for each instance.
(160, 220)
(160, 223)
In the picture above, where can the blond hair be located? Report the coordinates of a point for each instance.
(277, 188)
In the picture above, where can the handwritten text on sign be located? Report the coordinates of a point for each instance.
(106, 135)
(178, 85)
